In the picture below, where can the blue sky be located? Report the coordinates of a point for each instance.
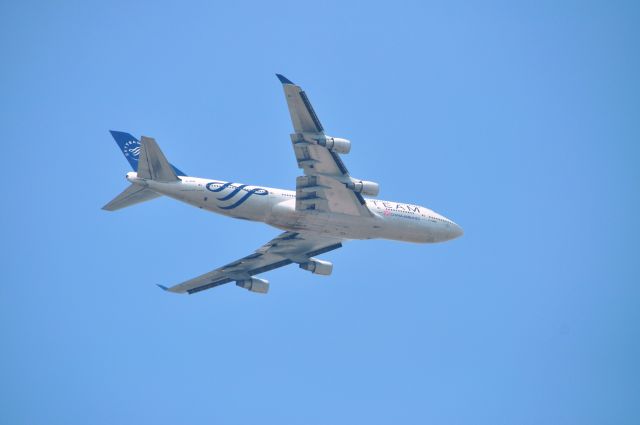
(517, 120)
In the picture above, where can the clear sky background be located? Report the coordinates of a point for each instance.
(518, 120)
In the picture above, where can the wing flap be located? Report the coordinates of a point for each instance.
(316, 159)
(325, 193)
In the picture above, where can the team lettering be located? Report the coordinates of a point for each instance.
(395, 206)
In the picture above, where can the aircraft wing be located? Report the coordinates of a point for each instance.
(326, 183)
(287, 248)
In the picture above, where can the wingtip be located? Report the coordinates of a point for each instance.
(283, 79)
(172, 290)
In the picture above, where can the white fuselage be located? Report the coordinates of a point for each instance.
(276, 207)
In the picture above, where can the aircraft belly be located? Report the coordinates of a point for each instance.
(289, 219)
(337, 225)
(343, 226)
(312, 222)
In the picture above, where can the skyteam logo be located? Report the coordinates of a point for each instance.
(238, 194)
(131, 149)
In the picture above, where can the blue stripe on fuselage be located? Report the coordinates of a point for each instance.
(256, 191)
(220, 189)
(232, 193)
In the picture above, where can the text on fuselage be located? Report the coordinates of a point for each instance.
(395, 206)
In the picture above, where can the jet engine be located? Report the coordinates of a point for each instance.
(254, 285)
(316, 266)
(365, 187)
(335, 144)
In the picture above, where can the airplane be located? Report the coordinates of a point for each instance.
(327, 208)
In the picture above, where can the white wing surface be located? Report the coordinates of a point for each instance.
(287, 248)
(326, 185)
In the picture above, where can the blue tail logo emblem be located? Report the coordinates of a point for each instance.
(131, 149)
(234, 196)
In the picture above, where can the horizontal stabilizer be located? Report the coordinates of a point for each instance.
(134, 194)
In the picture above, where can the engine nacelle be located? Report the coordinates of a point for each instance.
(335, 144)
(254, 285)
(316, 266)
(365, 187)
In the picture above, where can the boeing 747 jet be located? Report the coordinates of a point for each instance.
(327, 208)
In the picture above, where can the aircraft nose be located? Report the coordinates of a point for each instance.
(451, 231)
(456, 231)
(442, 229)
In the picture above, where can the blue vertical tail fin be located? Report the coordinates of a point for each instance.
(130, 147)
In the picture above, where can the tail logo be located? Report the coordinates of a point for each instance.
(235, 196)
(131, 149)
